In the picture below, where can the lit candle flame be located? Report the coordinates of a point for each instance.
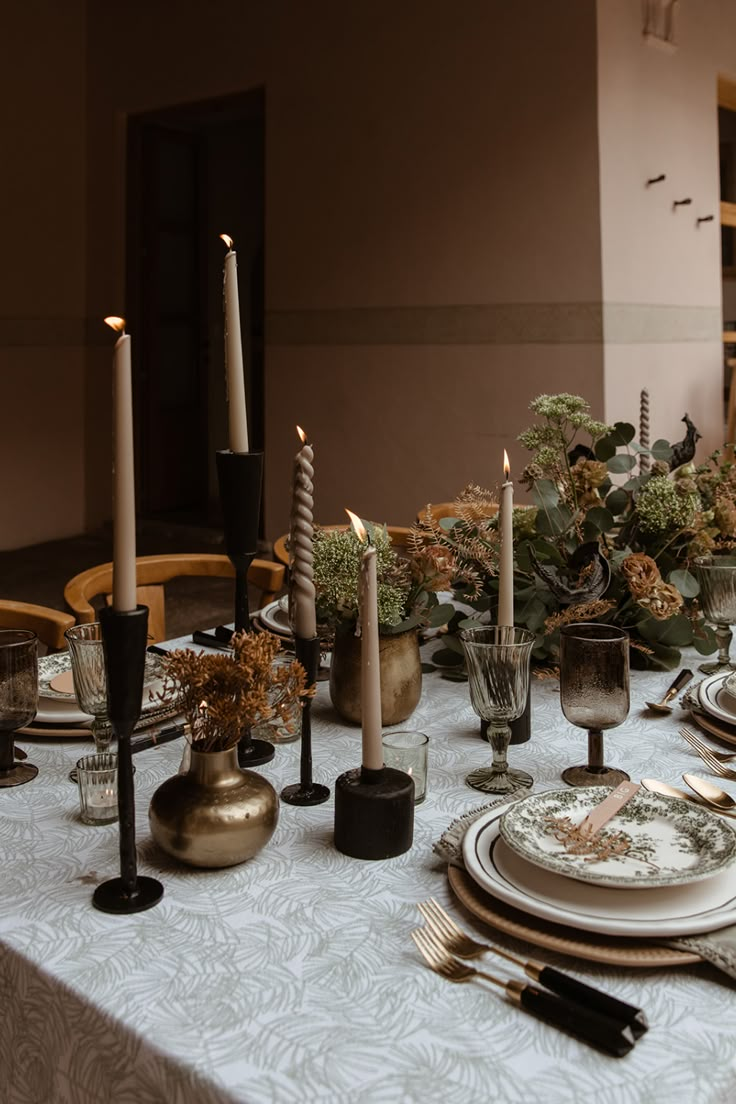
(227, 240)
(358, 527)
(115, 323)
(302, 435)
(203, 707)
(506, 465)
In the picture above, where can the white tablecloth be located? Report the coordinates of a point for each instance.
(292, 978)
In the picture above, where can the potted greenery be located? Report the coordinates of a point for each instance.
(407, 600)
(217, 814)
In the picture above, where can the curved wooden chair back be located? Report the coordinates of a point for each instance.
(151, 574)
(49, 625)
(399, 535)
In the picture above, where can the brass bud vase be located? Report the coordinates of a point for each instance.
(401, 675)
(216, 814)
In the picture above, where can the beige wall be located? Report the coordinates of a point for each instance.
(432, 242)
(657, 114)
(42, 288)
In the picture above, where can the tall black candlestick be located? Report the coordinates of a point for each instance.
(124, 638)
(307, 792)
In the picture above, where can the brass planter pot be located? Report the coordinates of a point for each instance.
(216, 814)
(401, 675)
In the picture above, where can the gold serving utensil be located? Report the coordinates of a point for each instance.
(664, 788)
(454, 940)
(710, 760)
(711, 795)
(611, 1036)
(679, 683)
(698, 745)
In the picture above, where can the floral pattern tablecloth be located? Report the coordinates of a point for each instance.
(292, 978)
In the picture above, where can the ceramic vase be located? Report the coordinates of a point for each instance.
(215, 814)
(401, 675)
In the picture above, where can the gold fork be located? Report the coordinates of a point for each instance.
(698, 745)
(454, 940)
(708, 757)
(609, 1035)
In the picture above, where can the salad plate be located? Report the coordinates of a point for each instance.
(659, 913)
(716, 699)
(652, 841)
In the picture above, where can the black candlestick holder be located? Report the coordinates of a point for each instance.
(240, 478)
(306, 791)
(374, 813)
(13, 773)
(124, 639)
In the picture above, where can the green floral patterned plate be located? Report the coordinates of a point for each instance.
(652, 841)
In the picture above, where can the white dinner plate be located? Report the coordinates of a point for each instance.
(275, 617)
(60, 712)
(652, 841)
(51, 666)
(715, 699)
(671, 911)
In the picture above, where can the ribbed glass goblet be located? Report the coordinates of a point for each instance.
(18, 699)
(716, 575)
(498, 660)
(594, 693)
(88, 671)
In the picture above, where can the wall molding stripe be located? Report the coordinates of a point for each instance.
(496, 324)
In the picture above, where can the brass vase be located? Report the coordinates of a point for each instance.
(401, 675)
(216, 814)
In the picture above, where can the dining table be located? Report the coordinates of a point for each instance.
(292, 977)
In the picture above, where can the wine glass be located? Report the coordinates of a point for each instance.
(18, 699)
(88, 670)
(716, 575)
(594, 693)
(497, 659)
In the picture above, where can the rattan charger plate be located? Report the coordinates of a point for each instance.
(613, 950)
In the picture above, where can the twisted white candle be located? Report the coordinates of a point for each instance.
(301, 556)
(644, 459)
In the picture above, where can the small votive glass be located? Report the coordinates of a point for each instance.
(407, 751)
(276, 729)
(97, 776)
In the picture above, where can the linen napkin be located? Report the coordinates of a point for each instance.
(717, 947)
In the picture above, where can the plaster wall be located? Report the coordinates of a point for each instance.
(42, 275)
(661, 272)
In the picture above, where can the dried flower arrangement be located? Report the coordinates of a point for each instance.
(406, 586)
(222, 695)
(587, 548)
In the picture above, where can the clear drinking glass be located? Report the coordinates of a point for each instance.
(594, 693)
(88, 669)
(498, 660)
(18, 700)
(97, 776)
(407, 751)
(716, 575)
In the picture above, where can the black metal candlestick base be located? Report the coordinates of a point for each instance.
(307, 791)
(124, 637)
(240, 478)
(374, 813)
(253, 753)
(12, 773)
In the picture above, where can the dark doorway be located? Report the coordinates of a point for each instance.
(194, 172)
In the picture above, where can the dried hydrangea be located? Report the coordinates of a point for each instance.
(337, 561)
(663, 602)
(661, 506)
(641, 574)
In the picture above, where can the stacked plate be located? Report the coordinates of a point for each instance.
(58, 712)
(275, 618)
(716, 697)
(674, 873)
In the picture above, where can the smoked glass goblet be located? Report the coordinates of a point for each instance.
(498, 660)
(716, 575)
(594, 693)
(18, 700)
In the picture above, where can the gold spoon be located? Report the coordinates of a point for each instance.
(663, 788)
(710, 794)
(680, 683)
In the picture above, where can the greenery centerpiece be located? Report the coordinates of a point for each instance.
(610, 534)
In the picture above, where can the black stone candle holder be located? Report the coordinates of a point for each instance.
(374, 813)
(240, 478)
(306, 791)
(124, 638)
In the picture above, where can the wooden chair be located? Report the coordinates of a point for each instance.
(399, 535)
(153, 571)
(49, 625)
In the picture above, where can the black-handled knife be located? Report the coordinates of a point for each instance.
(610, 1036)
(588, 997)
